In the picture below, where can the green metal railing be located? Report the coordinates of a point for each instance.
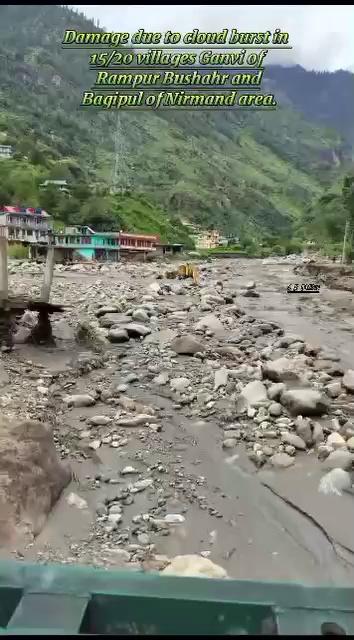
(51, 599)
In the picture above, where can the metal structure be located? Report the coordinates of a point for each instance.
(57, 600)
(120, 181)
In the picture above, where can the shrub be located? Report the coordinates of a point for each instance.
(17, 251)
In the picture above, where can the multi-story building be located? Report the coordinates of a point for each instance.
(207, 240)
(84, 242)
(136, 243)
(25, 225)
(32, 227)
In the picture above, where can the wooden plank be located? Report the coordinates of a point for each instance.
(4, 278)
(47, 307)
(48, 275)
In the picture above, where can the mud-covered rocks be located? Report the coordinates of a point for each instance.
(340, 459)
(80, 400)
(90, 334)
(304, 402)
(250, 290)
(187, 345)
(4, 376)
(99, 421)
(140, 315)
(102, 311)
(136, 421)
(113, 319)
(281, 461)
(212, 323)
(336, 441)
(304, 430)
(229, 443)
(118, 335)
(279, 370)
(275, 390)
(275, 409)
(253, 393)
(334, 389)
(293, 440)
(348, 380)
(335, 482)
(74, 500)
(192, 565)
(31, 479)
(180, 384)
(220, 378)
(136, 330)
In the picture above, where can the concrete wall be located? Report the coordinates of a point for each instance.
(86, 252)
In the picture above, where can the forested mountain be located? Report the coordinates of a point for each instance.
(243, 172)
(322, 97)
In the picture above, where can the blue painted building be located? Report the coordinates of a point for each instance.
(84, 242)
(77, 243)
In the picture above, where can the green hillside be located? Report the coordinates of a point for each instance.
(242, 172)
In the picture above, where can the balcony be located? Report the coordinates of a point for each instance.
(40, 226)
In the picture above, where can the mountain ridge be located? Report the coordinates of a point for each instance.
(250, 173)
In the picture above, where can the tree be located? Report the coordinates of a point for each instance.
(97, 212)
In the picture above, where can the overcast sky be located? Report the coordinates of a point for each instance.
(322, 36)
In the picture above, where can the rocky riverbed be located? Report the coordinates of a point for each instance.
(195, 420)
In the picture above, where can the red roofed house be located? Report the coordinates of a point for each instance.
(26, 225)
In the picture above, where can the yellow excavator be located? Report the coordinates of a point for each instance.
(185, 271)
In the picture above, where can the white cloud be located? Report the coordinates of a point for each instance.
(321, 36)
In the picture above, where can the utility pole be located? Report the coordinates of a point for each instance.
(348, 197)
(120, 174)
(345, 240)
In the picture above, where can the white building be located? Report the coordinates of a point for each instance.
(60, 185)
(25, 225)
(6, 151)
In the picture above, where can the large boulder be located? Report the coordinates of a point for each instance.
(118, 335)
(136, 330)
(192, 565)
(90, 334)
(110, 319)
(281, 460)
(212, 323)
(253, 393)
(186, 345)
(31, 479)
(339, 459)
(304, 402)
(280, 370)
(348, 380)
(335, 482)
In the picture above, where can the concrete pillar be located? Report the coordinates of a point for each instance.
(48, 275)
(4, 282)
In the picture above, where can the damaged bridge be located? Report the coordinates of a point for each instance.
(12, 305)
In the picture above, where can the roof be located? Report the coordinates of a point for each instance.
(170, 244)
(64, 182)
(139, 235)
(24, 210)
